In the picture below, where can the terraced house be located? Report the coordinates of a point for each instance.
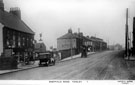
(16, 38)
(69, 44)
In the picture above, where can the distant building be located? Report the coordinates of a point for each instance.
(40, 47)
(88, 43)
(16, 38)
(98, 44)
(115, 47)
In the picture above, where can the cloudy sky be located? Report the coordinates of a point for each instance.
(101, 18)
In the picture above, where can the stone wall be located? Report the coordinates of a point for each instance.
(8, 63)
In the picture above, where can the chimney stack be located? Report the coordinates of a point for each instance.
(16, 11)
(1, 5)
(80, 34)
(70, 30)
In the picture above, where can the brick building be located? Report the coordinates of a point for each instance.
(98, 44)
(69, 44)
(16, 38)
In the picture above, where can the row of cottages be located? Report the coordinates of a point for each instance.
(98, 44)
(70, 44)
(93, 44)
(87, 42)
(115, 47)
(16, 38)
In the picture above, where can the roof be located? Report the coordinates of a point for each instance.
(96, 39)
(40, 47)
(86, 38)
(68, 36)
(13, 22)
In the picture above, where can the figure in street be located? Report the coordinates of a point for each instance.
(83, 51)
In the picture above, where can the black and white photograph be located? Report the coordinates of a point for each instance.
(67, 41)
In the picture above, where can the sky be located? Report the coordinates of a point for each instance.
(101, 18)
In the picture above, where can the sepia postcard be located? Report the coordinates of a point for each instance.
(67, 42)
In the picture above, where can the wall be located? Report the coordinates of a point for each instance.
(67, 53)
(63, 44)
(1, 38)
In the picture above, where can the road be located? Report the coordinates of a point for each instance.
(108, 65)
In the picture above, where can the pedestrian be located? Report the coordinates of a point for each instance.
(85, 51)
(82, 51)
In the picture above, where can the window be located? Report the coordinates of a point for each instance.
(23, 41)
(31, 42)
(8, 39)
(19, 40)
(13, 40)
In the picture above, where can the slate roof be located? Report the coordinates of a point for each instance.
(86, 38)
(13, 22)
(68, 36)
(96, 39)
(71, 35)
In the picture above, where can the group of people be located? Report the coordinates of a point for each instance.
(83, 51)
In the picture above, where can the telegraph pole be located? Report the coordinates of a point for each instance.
(133, 43)
(130, 40)
(79, 40)
(126, 36)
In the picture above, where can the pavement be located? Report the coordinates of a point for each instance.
(35, 65)
(20, 68)
(76, 56)
(130, 62)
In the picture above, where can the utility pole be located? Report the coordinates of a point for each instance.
(133, 43)
(126, 35)
(79, 40)
(130, 39)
